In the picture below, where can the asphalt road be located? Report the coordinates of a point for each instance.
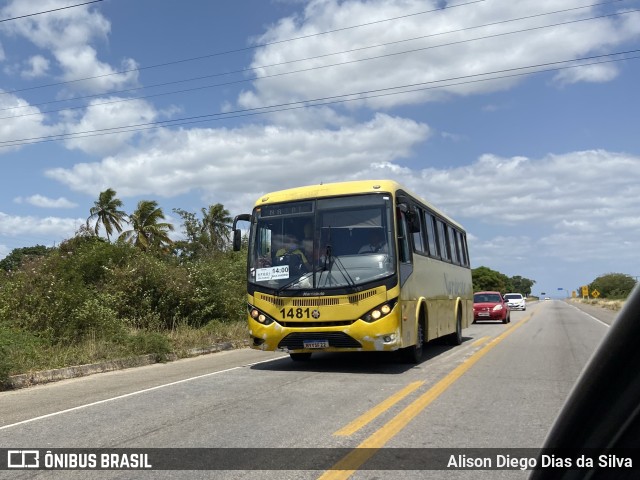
(501, 389)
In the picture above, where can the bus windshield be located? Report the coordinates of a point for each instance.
(327, 243)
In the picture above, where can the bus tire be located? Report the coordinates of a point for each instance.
(455, 338)
(413, 354)
(300, 357)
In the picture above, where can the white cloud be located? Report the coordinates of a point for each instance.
(602, 246)
(454, 137)
(473, 57)
(572, 207)
(252, 158)
(45, 202)
(15, 226)
(68, 34)
(516, 248)
(104, 114)
(580, 226)
(592, 73)
(21, 121)
(587, 184)
(37, 66)
(625, 222)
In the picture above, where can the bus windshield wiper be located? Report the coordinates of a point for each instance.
(330, 260)
(292, 283)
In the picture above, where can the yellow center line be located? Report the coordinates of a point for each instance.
(370, 415)
(345, 467)
(480, 341)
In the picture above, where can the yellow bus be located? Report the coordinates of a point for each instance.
(354, 266)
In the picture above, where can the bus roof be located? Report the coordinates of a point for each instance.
(345, 188)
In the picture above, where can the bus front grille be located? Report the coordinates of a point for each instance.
(317, 301)
(293, 341)
(307, 324)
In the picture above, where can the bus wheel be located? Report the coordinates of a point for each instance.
(455, 338)
(300, 357)
(413, 354)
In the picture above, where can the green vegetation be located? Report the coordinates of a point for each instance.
(17, 256)
(486, 279)
(613, 285)
(91, 299)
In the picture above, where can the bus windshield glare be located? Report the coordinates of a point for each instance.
(337, 242)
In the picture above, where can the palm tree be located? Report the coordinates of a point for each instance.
(105, 211)
(216, 226)
(147, 230)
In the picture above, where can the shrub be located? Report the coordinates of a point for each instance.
(152, 293)
(19, 351)
(613, 285)
(15, 259)
(94, 317)
(219, 289)
(41, 297)
(5, 366)
(149, 343)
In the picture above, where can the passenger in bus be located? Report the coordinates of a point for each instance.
(375, 244)
(292, 247)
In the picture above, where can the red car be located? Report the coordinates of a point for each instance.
(490, 306)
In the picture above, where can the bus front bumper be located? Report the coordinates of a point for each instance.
(381, 335)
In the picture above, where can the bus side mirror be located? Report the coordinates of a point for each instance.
(237, 234)
(237, 240)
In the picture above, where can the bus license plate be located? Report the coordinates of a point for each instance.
(315, 343)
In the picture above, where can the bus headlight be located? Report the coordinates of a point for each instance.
(379, 312)
(259, 316)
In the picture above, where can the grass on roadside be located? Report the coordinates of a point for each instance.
(185, 338)
(23, 352)
(614, 305)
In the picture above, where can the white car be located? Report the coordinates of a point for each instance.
(516, 301)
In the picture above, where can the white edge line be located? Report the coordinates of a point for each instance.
(591, 316)
(157, 387)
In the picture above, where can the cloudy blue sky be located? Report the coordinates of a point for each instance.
(519, 119)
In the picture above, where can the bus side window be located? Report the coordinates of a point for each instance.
(442, 240)
(418, 238)
(463, 254)
(465, 249)
(453, 245)
(404, 249)
(431, 236)
(403, 239)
